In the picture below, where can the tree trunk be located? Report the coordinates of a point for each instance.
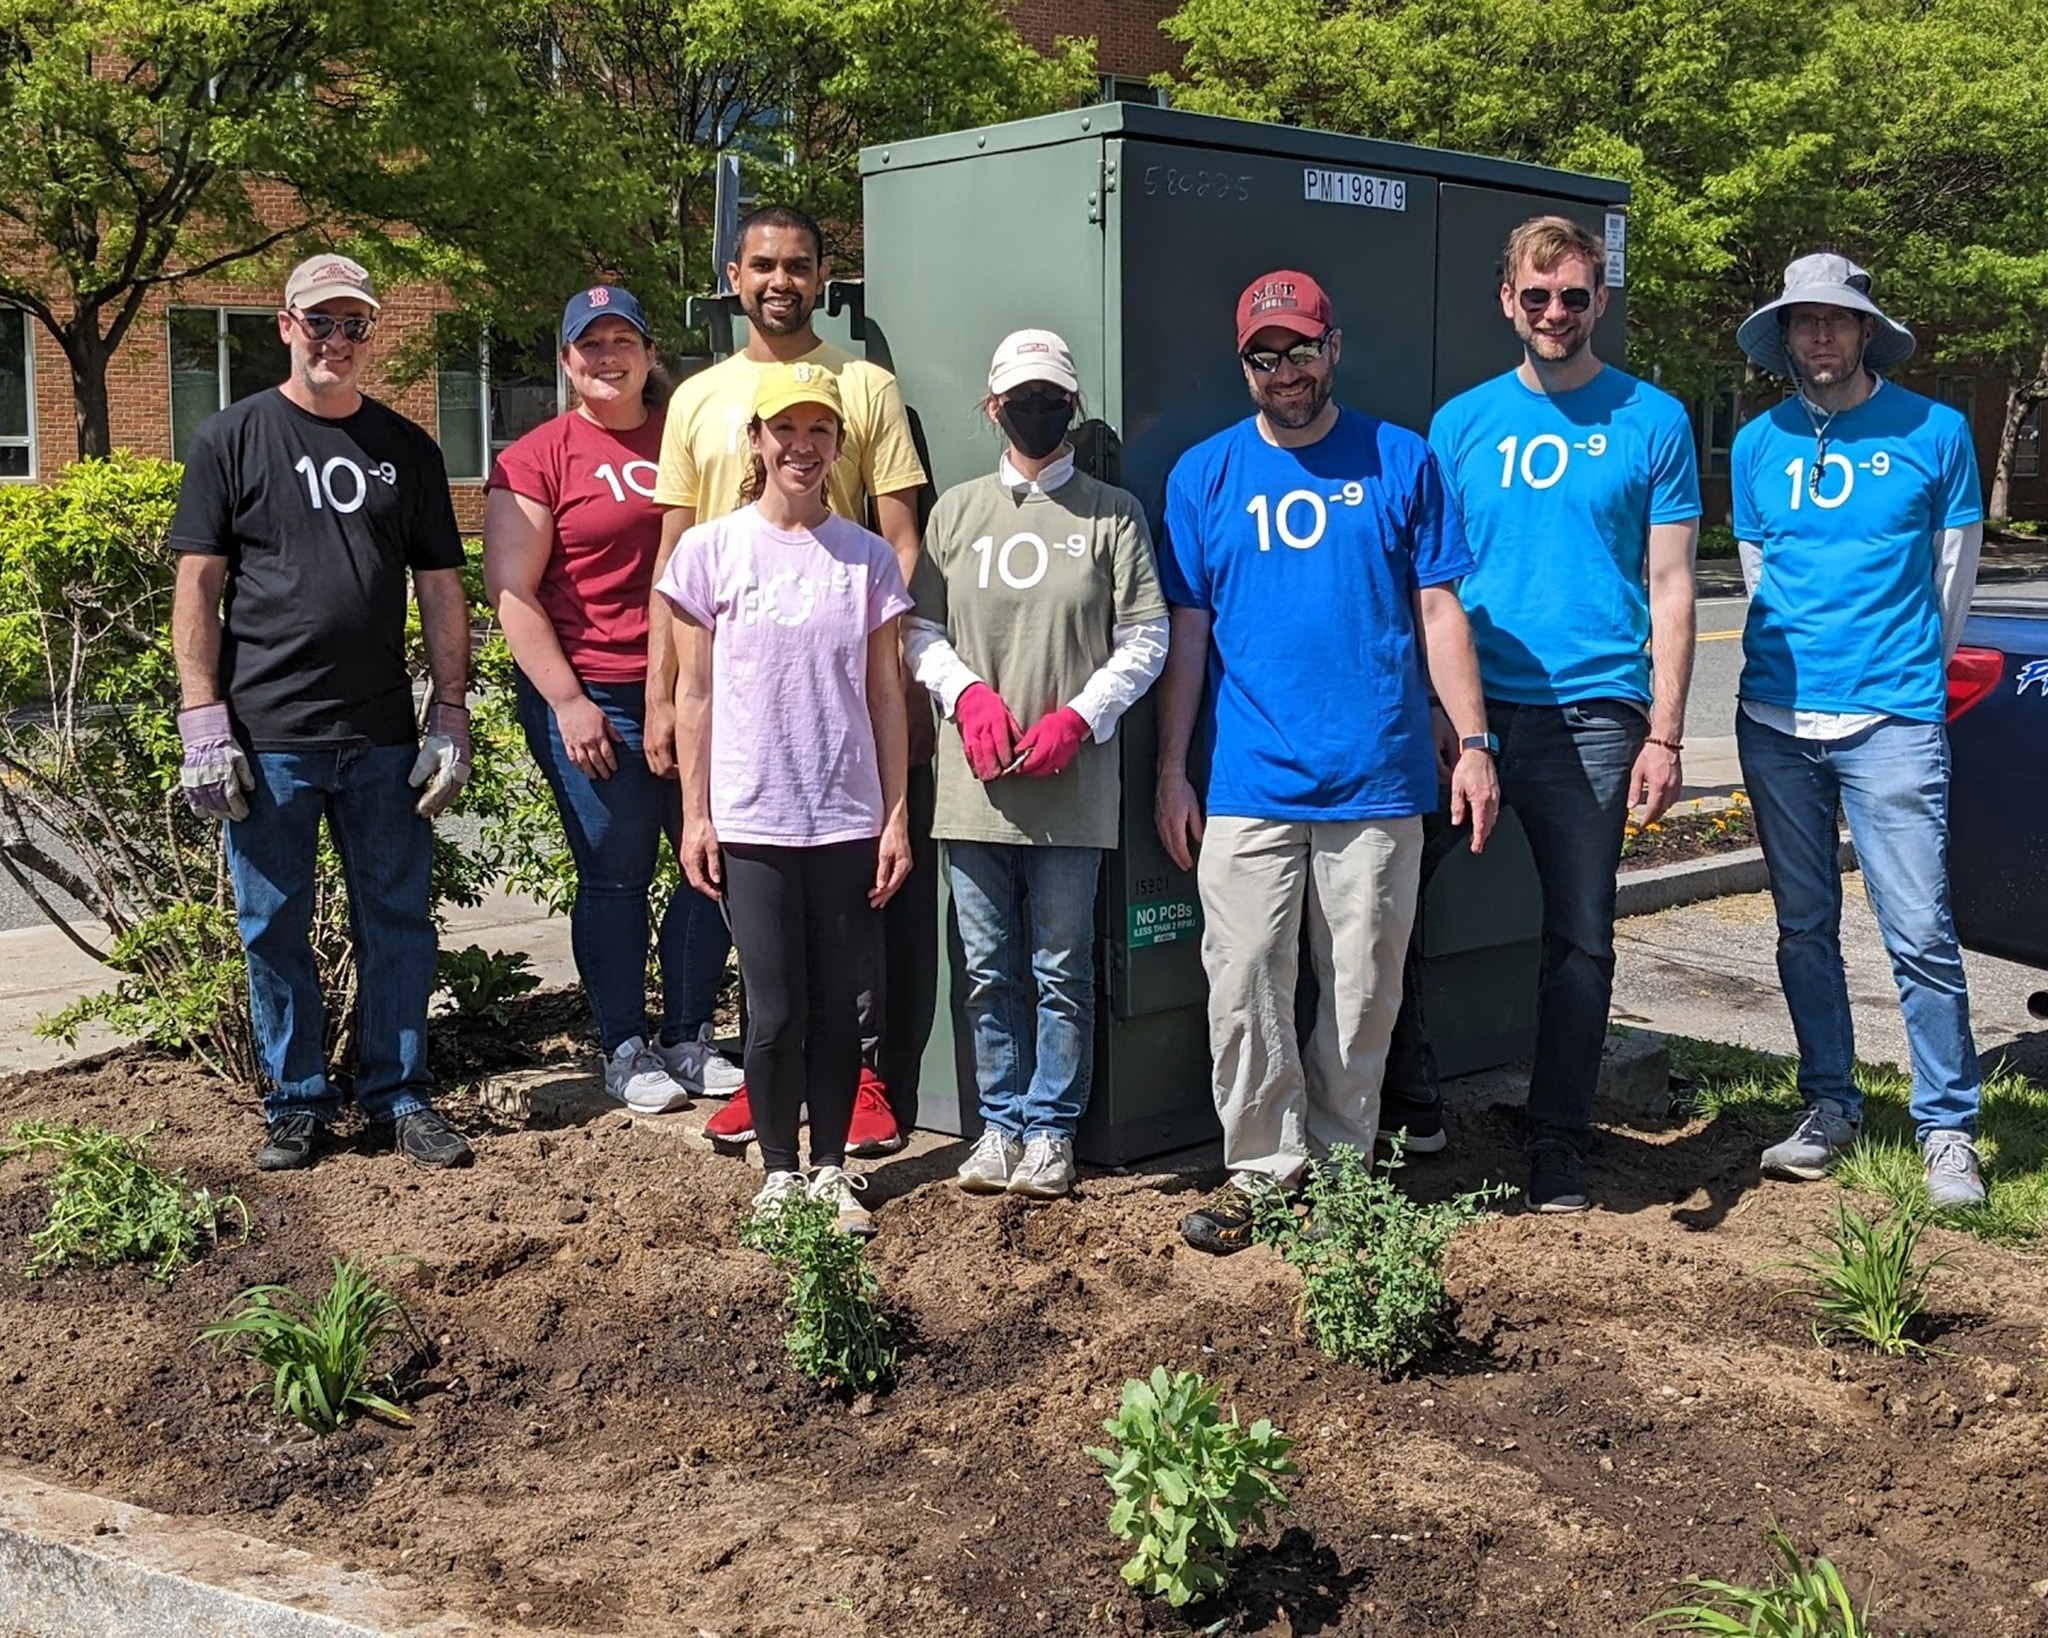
(2020, 397)
(89, 355)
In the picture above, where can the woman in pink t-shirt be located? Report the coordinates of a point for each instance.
(791, 741)
(570, 535)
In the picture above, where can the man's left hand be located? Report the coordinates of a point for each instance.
(1656, 781)
(443, 763)
(1475, 790)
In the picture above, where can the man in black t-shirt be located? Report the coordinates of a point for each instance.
(302, 513)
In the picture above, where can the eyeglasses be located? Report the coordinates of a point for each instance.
(1535, 299)
(322, 325)
(1301, 355)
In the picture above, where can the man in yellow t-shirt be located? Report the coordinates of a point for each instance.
(779, 274)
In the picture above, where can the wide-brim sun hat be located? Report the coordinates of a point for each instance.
(1824, 280)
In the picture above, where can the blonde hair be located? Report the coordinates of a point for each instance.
(1543, 241)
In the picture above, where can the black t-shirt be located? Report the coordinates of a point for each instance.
(320, 521)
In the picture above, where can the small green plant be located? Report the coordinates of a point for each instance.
(320, 1353)
(1371, 1260)
(1189, 1486)
(1811, 1602)
(837, 1335)
(1867, 1279)
(482, 982)
(109, 1205)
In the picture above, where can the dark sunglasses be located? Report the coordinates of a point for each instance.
(1535, 299)
(322, 325)
(1301, 355)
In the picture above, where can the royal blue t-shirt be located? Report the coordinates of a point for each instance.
(1847, 616)
(1557, 493)
(1307, 562)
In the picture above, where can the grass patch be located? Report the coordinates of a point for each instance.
(1760, 1091)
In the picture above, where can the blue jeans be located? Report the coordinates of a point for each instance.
(616, 827)
(1027, 921)
(1892, 782)
(1564, 770)
(387, 854)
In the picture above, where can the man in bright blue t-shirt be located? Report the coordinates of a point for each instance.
(1578, 489)
(1310, 563)
(1859, 518)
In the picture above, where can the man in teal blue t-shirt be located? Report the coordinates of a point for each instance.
(1579, 493)
(1859, 518)
(1310, 562)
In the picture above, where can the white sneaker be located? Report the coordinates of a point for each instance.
(637, 1077)
(835, 1186)
(692, 1064)
(990, 1163)
(779, 1189)
(1047, 1170)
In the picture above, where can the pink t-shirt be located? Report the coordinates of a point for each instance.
(792, 750)
(599, 487)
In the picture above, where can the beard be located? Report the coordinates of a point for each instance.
(1554, 349)
(1294, 414)
(770, 325)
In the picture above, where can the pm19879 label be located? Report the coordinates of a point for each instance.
(1163, 921)
(1354, 188)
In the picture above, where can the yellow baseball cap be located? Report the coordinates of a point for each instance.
(782, 385)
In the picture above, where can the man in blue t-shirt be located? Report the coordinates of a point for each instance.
(1310, 563)
(1859, 518)
(1579, 493)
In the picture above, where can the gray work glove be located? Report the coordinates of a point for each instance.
(215, 772)
(443, 763)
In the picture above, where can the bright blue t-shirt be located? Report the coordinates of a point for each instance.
(1847, 616)
(1307, 562)
(1557, 493)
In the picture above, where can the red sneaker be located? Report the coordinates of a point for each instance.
(873, 1128)
(733, 1126)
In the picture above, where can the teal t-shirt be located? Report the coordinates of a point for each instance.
(1846, 616)
(1557, 493)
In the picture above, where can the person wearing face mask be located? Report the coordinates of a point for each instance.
(1039, 621)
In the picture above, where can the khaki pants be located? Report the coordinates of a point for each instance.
(1356, 881)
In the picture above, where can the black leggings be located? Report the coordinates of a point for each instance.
(801, 919)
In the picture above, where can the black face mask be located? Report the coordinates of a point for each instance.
(1036, 422)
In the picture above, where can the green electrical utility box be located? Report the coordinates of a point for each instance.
(1131, 231)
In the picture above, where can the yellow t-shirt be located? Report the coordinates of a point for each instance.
(705, 456)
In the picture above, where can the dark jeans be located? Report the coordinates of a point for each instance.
(1411, 1060)
(900, 977)
(801, 919)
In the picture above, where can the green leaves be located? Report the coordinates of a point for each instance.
(482, 982)
(1188, 1484)
(837, 1335)
(321, 1352)
(1867, 1280)
(1811, 1602)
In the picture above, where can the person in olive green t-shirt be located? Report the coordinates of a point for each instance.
(1039, 620)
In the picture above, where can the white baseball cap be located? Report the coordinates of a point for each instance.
(324, 277)
(1032, 355)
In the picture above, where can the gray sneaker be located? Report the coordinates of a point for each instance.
(1824, 1132)
(988, 1169)
(1047, 1169)
(1953, 1180)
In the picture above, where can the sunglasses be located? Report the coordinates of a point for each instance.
(322, 325)
(1535, 299)
(1264, 361)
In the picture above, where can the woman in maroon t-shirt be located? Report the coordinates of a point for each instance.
(570, 534)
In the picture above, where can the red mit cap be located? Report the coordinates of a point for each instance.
(1285, 300)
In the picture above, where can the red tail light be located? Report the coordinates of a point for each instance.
(1972, 674)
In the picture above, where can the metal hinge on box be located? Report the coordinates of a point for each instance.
(1103, 188)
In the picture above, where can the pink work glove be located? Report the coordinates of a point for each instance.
(1052, 742)
(988, 733)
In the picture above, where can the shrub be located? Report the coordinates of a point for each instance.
(1867, 1280)
(108, 1205)
(837, 1335)
(481, 982)
(1811, 1602)
(1188, 1484)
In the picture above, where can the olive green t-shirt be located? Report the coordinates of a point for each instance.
(1030, 588)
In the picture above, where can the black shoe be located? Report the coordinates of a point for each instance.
(1223, 1223)
(427, 1140)
(1420, 1123)
(293, 1141)
(1554, 1184)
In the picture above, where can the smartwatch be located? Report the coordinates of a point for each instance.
(1489, 743)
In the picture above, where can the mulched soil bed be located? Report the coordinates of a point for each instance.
(609, 1440)
(1692, 834)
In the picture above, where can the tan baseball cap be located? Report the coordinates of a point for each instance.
(1032, 355)
(324, 277)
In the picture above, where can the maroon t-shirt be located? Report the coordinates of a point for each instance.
(598, 486)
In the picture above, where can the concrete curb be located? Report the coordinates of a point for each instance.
(1665, 887)
(79, 1566)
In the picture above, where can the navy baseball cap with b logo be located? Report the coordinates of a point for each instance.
(586, 307)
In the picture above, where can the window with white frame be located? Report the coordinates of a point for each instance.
(17, 395)
(2026, 449)
(1716, 415)
(219, 355)
(488, 400)
(1128, 88)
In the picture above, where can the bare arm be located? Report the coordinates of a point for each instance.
(444, 623)
(1176, 812)
(195, 626)
(658, 737)
(1454, 673)
(892, 755)
(689, 710)
(1658, 776)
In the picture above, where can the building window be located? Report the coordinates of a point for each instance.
(1124, 88)
(219, 356)
(17, 396)
(2026, 449)
(1716, 414)
(489, 399)
(1959, 392)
